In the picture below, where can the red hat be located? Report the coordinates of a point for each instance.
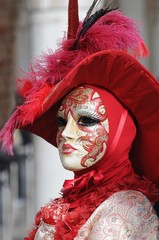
(98, 52)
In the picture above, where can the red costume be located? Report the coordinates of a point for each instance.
(97, 55)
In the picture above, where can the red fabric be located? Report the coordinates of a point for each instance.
(92, 186)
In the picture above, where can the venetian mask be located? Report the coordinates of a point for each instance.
(82, 129)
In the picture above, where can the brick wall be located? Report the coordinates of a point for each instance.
(8, 15)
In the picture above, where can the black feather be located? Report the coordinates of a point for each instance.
(89, 13)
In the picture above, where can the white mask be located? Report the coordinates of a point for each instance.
(82, 129)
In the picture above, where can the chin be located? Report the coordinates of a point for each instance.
(71, 162)
(69, 168)
(72, 167)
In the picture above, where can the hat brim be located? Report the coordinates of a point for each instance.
(132, 84)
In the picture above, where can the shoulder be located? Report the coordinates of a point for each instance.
(126, 204)
(129, 206)
(128, 197)
(127, 201)
(124, 215)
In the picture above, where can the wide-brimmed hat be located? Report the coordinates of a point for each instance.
(113, 69)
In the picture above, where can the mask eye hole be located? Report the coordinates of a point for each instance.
(88, 121)
(61, 122)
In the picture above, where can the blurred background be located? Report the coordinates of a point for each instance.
(34, 174)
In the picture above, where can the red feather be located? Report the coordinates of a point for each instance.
(112, 31)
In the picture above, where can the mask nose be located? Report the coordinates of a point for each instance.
(70, 129)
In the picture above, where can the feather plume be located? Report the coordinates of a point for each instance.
(90, 18)
(113, 31)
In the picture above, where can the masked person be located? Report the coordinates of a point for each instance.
(100, 107)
